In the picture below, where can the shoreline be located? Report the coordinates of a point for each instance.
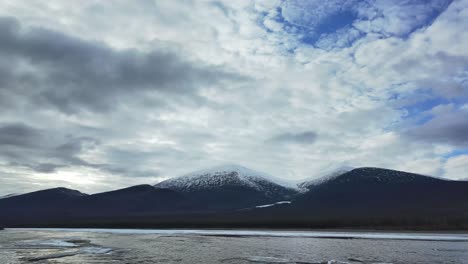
(279, 229)
(273, 230)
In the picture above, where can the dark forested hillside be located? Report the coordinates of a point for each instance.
(363, 197)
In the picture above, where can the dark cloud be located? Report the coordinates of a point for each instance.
(39, 167)
(130, 171)
(18, 135)
(30, 147)
(23, 146)
(68, 73)
(307, 137)
(447, 126)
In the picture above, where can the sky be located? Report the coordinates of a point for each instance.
(99, 95)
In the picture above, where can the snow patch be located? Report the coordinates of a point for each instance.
(269, 205)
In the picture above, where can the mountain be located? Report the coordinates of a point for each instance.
(229, 187)
(49, 195)
(365, 193)
(133, 201)
(65, 205)
(39, 204)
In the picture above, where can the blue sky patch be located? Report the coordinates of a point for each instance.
(338, 24)
(456, 153)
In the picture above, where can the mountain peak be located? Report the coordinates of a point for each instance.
(380, 175)
(229, 167)
(226, 174)
(229, 186)
(64, 191)
(370, 175)
(229, 174)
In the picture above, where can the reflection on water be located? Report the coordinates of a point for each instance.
(90, 246)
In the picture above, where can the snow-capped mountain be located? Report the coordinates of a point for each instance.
(229, 186)
(220, 176)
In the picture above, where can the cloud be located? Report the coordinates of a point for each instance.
(398, 18)
(307, 137)
(18, 134)
(448, 125)
(72, 74)
(29, 147)
(455, 168)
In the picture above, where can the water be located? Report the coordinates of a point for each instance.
(226, 246)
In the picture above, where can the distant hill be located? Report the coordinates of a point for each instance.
(61, 204)
(36, 205)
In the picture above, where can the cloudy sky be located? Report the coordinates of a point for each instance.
(97, 95)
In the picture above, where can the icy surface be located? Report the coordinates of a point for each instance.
(61, 248)
(193, 246)
(95, 250)
(50, 243)
(312, 234)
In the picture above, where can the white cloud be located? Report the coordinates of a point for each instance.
(396, 18)
(456, 168)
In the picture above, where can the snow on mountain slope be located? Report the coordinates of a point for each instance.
(226, 175)
(9, 195)
(304, 185)
(387, 176)
(370, 175)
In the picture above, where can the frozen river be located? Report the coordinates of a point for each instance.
(227, 246)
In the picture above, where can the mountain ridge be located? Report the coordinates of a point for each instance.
(365, 197)
(244, 174)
